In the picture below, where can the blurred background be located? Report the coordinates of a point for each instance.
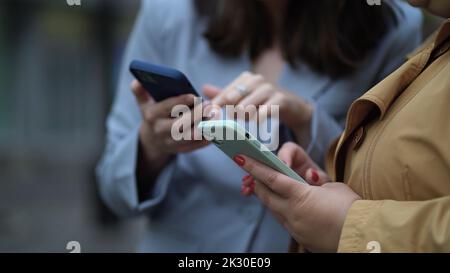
(58, 69)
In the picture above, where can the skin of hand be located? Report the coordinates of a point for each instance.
(314, 213)
(437, 7)
(294, 112)
(156, 141)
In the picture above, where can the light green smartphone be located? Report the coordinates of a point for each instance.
(233, 139)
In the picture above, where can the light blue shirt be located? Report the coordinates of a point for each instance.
(196, 205)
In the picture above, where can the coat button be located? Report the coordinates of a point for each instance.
(358, 137)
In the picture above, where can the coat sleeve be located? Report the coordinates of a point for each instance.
(116, 170)
(397, 226)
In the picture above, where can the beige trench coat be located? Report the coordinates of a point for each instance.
(395, 153)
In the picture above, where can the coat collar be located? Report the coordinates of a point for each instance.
(381, 96)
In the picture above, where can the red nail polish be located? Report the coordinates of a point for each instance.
(239, 160)
(252, 189)
(247, 182)
(314, 176)
(246, 177)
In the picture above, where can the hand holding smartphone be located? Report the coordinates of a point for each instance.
(166, 87)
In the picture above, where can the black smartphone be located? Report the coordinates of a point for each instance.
(161, 82)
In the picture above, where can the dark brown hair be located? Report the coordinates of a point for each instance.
(333, 37)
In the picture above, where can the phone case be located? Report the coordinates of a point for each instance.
(232, 139)
(160, 81)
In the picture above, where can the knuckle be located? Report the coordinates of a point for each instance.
(168, 141)
(159, 129)
(187, 98)
(289, 145)
(293, 148)
(246, 74)
(149, 116)
(268, 87)
(280, 97)
(265, 199)
(168, 108)
(250, 167)
(258, 77)
(272, 178)
(291, 187)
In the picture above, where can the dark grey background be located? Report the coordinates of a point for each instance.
(58, 66)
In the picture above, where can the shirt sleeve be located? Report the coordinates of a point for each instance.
(116, 170)
(397, 226)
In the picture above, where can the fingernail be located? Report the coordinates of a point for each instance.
(314, 176)
(239, 160)
(246, 177)
(246, 180)
(232, 96)
(251, 189)
(252, 185)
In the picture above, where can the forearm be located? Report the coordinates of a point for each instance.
(298, 119)
(302, 134)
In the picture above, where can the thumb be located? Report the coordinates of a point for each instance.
(210, 91)
(142, 96)
(316, 177)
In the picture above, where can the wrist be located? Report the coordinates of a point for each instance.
(299, 120)
(296, 112)
(305, 112)
(343, 217)
(150, 154)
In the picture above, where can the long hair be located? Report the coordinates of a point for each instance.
(333, 37)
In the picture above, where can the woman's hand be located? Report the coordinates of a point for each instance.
(156, 141)
(313, 214)
(254, 90)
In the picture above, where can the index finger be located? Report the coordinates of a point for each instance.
(141, 95)
(165, 107)
(223, 97)
(276, 181)
(292, 154)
